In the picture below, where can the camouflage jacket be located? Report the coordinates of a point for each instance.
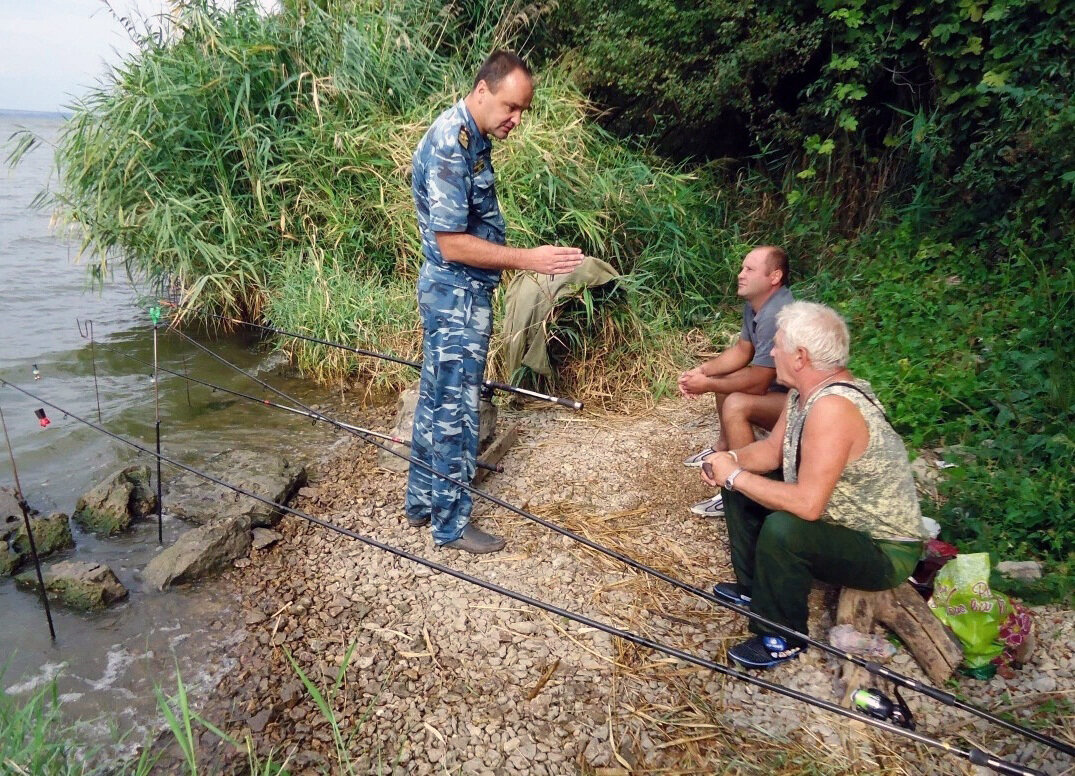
(453, 188)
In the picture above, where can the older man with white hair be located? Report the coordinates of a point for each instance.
(846, 511)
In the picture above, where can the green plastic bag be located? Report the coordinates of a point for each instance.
(963, 600)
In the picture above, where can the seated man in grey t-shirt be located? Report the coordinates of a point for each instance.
(742, 378)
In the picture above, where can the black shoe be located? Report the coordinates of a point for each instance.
(417, 522)
(729, 591)
(476, 541)
(764, 652)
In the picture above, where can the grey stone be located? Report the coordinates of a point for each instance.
(258, 722)
(925, 474)
(268, 475)
(255, 617)
(405, 405)
(51, 535)
(1025, 570)
(263, 538)
(10, 512)
(1044, 684)
(77, 584)
(9, 559)
(200, 552)
(115, 503)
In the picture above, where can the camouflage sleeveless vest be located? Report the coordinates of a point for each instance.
(875, 494)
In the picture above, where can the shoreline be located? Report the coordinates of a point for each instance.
(446, 677)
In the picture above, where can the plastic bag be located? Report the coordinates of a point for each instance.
(963, 600)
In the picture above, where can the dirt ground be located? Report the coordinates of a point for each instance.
(425, 674)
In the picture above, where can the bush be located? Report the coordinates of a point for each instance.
(262, 164)
(972, 97)
(973, 362)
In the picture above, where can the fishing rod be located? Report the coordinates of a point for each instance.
(294, 410)
(155, 316)
(23, 507)
(492, 384)
(870, 666)
(974, 755)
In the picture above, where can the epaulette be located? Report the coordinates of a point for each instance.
(464, 138)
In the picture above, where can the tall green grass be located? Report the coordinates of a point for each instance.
(261, 164)
(36, 741)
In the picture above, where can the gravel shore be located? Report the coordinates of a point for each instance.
(443, 677)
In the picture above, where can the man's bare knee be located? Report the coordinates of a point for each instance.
(737, 405)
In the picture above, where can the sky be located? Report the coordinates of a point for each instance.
(53, 50)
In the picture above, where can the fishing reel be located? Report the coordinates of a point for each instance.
(874, 703)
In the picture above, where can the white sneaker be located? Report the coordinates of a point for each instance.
(711, 507)
(695, 461)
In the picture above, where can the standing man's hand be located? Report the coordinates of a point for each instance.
(553, 259)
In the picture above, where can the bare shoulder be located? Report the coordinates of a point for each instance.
(832, 413)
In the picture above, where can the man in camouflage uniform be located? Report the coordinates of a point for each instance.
(463, 241)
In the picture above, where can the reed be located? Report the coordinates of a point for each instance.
(261, 164)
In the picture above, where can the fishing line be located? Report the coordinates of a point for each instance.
(315, 416)
(93, 360)
(26, 521)
(493, 384)
(973, 755)
(870, 666)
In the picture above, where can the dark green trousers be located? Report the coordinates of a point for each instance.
(777, 555)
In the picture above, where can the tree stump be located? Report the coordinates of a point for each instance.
(902, 611)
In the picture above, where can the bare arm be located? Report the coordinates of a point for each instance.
(749, 379)
(727, 373)
(835, 433)
(476, 252)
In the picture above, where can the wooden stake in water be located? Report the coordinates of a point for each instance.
(155, 314)
(29, 531)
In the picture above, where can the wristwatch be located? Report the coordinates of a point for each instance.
(730, 482)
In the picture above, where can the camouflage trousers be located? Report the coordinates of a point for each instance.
(776, 557)
(457, 320)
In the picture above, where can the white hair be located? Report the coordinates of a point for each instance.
(817, 329)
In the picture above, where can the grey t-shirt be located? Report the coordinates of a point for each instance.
(760, 329)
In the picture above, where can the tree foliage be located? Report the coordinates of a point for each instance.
(975, 94)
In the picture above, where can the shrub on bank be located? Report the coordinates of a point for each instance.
(261, 163)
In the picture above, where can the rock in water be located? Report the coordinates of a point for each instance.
(113, 505)
(268, 475)
(77, 584)
(9, 559)
(10, 513)
(199, 552)
(51, 534)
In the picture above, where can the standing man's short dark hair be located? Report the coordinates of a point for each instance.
(498, 65)
(464, 243)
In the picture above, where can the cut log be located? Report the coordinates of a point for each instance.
(496, 450)
(902, 611)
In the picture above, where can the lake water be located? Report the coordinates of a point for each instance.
(106, 664)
